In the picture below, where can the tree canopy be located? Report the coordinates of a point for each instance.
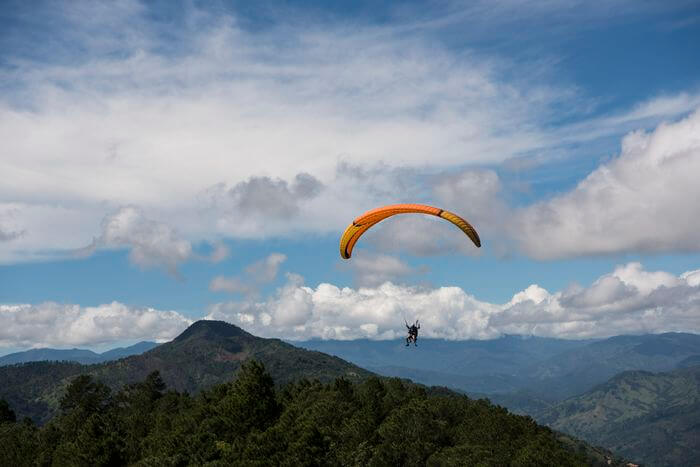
(250, 421)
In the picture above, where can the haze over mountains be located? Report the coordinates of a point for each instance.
(552, 369)
(654, 417)
(75, 355)
(635, 395)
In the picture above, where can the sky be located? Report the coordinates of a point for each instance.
(164, 162)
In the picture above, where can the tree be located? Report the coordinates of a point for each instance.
(85, 395)
(250, 402)
(6, 413)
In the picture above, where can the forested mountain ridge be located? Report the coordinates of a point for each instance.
(576, 371)
(652, 417)
(252, 421)
(205, 354)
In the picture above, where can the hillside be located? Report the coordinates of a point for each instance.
(576, 371)
(652, 417)
(489, 366)
(205, 354)
(547, 369)
(251, 421)
(75, 355)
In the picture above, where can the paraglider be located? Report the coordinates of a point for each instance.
(361, 224)
(412, 333)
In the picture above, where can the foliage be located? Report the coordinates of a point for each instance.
(251, 421)
(206, 354)
(648, 417)
(6, 413)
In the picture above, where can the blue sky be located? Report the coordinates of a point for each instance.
(164, 162)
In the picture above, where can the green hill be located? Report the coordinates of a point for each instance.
(252, 421)
(652, 417)
(205, 354)
(576, 371)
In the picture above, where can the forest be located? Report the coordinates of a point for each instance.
(251, 421)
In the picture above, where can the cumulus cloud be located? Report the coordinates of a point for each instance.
(273, 197)
(256, 274)
(126, 115)
(59, 325)
(628, 300)
(475, 194)
(692, 277)
(643, 200)
(9, 235)
(259, 205)
(478, 196)
(375, 269)
(8, 228)
(150, 243)
(229, 132)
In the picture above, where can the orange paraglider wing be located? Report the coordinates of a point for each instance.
(361, 224)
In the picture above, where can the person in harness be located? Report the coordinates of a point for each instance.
(412, 333)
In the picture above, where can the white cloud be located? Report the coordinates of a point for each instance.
(265, 271)
(629, 300)
(60, 325)
(256, 274)
(151, 243)
(250, 206)
(478, 196)
(475, 194)
(266, 117)
(9, 228)
(219, 253)
(231, 284)
(9, 235)
(643, 200)
(692, 277)
(226, 132)
(49, 230)
(372, 269)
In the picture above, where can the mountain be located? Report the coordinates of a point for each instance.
(252, 421)
(489, 366)
(690, 361)
(121, 352)
(653, 417)
(574, 372)
(59, 355)
(549, 370)
(205, 354)
(75, 355)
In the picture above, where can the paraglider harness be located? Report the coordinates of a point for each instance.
(412, 333)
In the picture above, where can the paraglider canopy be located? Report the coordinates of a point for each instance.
(361, 224)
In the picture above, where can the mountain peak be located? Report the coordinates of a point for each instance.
(210, 329)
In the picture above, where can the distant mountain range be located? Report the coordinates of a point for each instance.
(547, 369)
(636, 395)
(517, 371)
(205, 354)
(211, 352)
(75, 355)
(653, 417)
